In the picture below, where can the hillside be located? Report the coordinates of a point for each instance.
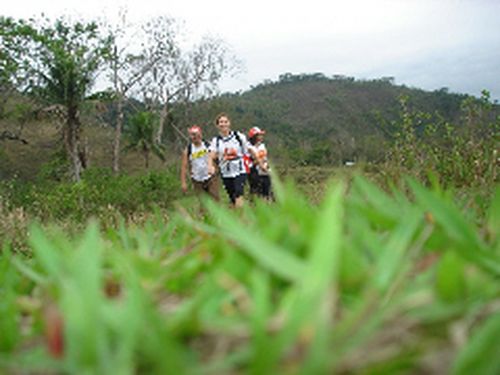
(310, 119)
(311, 116)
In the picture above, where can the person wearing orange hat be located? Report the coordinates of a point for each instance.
(259, 180)
(195, 159)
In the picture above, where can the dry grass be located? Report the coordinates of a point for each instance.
(14, 227)
(44, 141)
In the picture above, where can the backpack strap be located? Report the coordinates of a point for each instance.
(236, 135)
(238, 138)
(218, 139)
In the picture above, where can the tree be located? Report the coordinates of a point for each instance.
(180, 75)
(153, 63)
(140, 134)
(128, 67)
(8, 70)
(58, 63)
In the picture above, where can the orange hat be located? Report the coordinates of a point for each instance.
(194, 129)
(254, 131)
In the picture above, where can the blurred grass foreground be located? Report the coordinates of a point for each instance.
(366, 282)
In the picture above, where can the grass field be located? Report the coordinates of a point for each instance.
(334, 277)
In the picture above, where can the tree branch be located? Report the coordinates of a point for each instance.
(7, 135)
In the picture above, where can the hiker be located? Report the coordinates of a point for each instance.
(195, 159)
(227, 150)
(260, 182)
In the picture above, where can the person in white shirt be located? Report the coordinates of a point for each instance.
(227, 150)
(260, 182)
(195, 158)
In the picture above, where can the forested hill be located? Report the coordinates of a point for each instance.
(319, 119)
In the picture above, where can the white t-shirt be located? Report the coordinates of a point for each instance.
(229, 152)
(198, 159)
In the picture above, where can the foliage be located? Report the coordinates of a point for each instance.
(140, 135)
(322, 122)
(98, 194)
(345, 286)
(356, 118)
(56, 61)
(457, 155)
(364, 280)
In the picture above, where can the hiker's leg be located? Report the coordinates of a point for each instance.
(212, 187)
(239, 189)
(197, 186)
(253, 180)
(265, 186)
(229, 187)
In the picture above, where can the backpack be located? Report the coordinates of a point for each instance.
(248, 163)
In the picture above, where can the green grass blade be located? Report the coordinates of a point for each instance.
(269, 255)
(450, 278)
(467, 242)
(391, 258)
(480, 355)
(320, 281)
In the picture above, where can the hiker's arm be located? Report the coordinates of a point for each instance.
(184, 168)
(211, 163)
(259, 161)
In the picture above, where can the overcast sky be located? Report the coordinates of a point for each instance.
(428, 44)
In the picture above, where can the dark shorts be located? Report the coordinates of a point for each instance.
(253, 180)
(265, 186)
(259, 184)
(234, 186)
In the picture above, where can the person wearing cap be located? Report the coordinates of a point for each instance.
(259, 180)
(195, 159)
(227, 150)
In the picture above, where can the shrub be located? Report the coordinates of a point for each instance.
(97, 192)
(458, 155)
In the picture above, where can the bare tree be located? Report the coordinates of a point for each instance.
(177, 74)
(129, 65)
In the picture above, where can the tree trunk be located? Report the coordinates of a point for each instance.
(119, 113)
(146, 158)
(4, 96)
(83, 153)
(118, 134)
(72, 143)
(163, 119)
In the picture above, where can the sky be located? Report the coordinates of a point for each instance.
(428, 44)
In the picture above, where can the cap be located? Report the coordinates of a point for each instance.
(194, 129)
(254, 131)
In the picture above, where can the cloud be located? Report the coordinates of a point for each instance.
(425, 43)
